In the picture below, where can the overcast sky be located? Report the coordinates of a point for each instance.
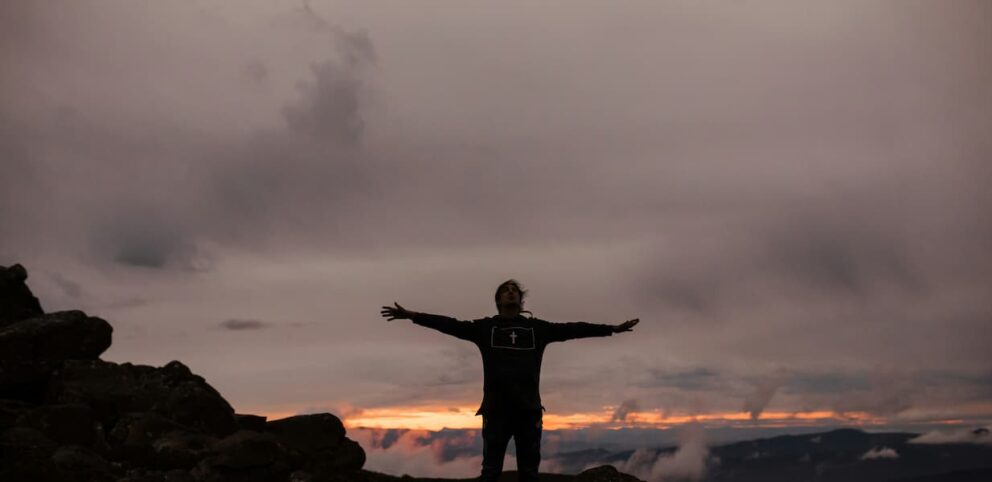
(793, 198)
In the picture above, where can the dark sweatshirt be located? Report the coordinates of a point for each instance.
(512, 348)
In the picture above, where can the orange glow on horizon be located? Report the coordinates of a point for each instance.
(437, 417)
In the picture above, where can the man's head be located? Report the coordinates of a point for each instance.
(510, 296)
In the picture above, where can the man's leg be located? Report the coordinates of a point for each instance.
(527, 436)
(496, 432)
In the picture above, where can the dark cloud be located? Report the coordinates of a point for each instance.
(146, 238)
(826, 204)
(890, 394)
(826, 383)
(691, 379)
(329, 107)
(385, 437)
(624, 409)
(764, 390)
(843, 253)
(243, 325)
(256, 71)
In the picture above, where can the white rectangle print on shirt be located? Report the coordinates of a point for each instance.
(513, 338)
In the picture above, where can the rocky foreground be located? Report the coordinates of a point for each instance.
(66, 415)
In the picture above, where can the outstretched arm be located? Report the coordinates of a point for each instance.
(579, 329)
(444, 324)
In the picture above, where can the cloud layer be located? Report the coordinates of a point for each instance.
(791, 199)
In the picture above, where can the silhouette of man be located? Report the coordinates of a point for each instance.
(512, 346)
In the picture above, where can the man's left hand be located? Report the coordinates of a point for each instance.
(626, 326)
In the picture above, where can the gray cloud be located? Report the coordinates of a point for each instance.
(145, 238)
(624, 409)
(693, 379)
(955, 436)
(840, 253)
(255, 70)
(764, 390)
(760, 197)
(688, 462)
(447, 453)
(329, 107)
(880, 453)
(242, 325)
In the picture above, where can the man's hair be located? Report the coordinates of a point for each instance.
(513, 282)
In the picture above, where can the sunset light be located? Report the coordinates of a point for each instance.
(437, 418)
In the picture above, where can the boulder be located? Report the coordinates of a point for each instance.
(144, 475)
(25, 455)
(79, 464)
(347, 456)
(246, 456)
(11, 410)
(171, 391)
(320, 441)
(16, 300)
(65, 423)
(65, 335)
(141, 428)
(310, 434)
(605, 473)
(250, 422)
(26, 380)
(180, 450)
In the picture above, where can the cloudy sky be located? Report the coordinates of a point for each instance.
(792, 198)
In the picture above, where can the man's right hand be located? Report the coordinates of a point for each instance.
(398, 312)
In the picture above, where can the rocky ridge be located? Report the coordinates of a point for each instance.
(68, 416)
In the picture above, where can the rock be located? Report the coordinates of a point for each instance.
(347, 456)
(250, 422)
(25, 455)
(171, 391)
(80, 464)
(246, 456)
(26, 380)
(247, 449)
(142, 475)
(16, 300)
(141, 428)
(10, 411)
(25, 439)
(65, 424)
(309, 434)
(301, 476)
(320, 441)
(64, 335)
(181, 450)
(605, 473)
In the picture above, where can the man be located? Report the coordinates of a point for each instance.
(512, 346)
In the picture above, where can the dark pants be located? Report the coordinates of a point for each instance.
(525, 428)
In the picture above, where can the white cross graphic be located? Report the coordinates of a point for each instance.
(513, 337)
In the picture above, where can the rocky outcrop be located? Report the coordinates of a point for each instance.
(66, 415)
(65, 335)
(16, 300)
